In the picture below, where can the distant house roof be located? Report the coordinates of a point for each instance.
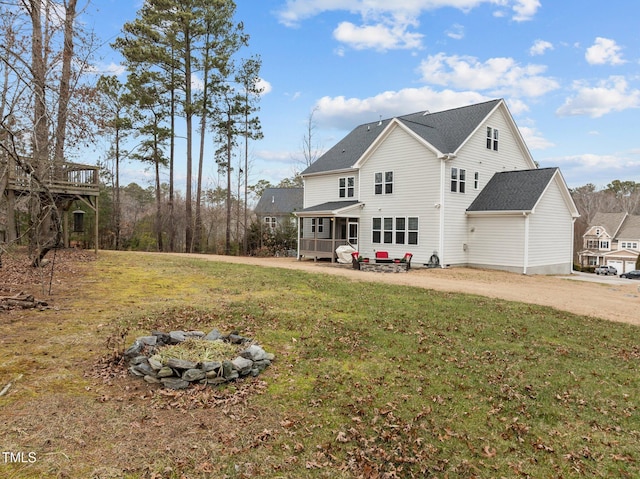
(445, 130)
(280, 201)
(611, 222)
(513, 190)
(630, 229)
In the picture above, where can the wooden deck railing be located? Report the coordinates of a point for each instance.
(68, 178)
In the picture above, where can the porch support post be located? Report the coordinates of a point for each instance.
(333, 238)
(96, 226)
(298, 224)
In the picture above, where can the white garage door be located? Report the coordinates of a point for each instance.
(629, 266)
(617, 265)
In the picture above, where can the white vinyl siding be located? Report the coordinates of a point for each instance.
(496, 241)
(475, 157)
(324, 188)
(416, 189)
(551, 231)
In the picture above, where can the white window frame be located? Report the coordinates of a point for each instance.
(271, 222)
(492, 138)
(383, 183)
(317, 225)
(347, 187)
(398, 230)
(458, 180)
(476, 180)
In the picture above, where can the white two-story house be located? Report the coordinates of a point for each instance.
(458, 185)
(612, 239)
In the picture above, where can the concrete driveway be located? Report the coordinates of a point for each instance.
(600, 278)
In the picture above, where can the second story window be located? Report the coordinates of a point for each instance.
(383, 183)
(347, 187)
(476, 180)
(492, 138)
(458, 180)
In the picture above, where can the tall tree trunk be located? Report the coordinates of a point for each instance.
(227, 241)
(203, 129)
(158, 204)
(189, 123)
(246, 169)
(116, 201)
(38, 68)
(172, 148)
(65, 84)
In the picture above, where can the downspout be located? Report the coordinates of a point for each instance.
(526, 241)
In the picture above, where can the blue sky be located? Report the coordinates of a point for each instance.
(569, 71)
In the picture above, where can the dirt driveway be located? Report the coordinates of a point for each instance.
(603, 297)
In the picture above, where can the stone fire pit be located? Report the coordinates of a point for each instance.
(180, 358)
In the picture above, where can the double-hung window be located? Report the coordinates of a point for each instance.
(382, 230)
(347, 187)
(383, 183)
(399, 230)
(270, 222)
(458, 180)
(492, 138)
(317, 225)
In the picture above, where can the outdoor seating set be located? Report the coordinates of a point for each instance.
(382, 262)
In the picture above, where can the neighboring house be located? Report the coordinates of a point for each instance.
(458, 184)
(612, 239)
(276, 206)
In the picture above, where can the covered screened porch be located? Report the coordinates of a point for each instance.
(322, 228)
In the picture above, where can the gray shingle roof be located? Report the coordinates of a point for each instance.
(280, 201)
(513, 190)
(611, 222)
(630, 228)
(445, 130)
(330, 206)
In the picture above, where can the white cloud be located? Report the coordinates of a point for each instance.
(345, 113)
(539, 47)
(604, 51)
(379, 37)
(607, 96)
(264, 85)
(534, 139)
(456, 32)
(385, 24)
(581, 169)
(500, 76)
(104, 69)
(525, 9)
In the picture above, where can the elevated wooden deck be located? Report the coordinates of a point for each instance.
(69, 179)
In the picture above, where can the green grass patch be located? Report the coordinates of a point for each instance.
(374, 380)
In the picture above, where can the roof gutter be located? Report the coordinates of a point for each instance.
(499, 213)
(332, 172)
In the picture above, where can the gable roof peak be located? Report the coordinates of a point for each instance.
(445, 131)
